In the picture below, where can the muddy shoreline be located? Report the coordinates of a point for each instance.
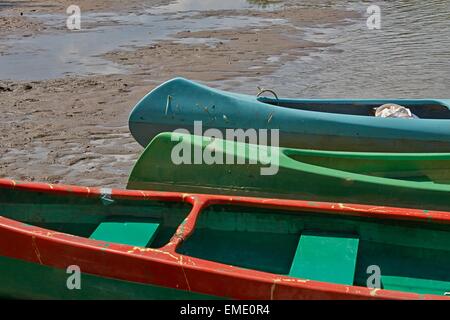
(74, 129)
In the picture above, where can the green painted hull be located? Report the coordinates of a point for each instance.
(402, 180)
(24, 280)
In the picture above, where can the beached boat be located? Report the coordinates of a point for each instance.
(153, 245)
(402, 179)
(326, 124)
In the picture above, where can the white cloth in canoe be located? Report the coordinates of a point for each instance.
(392, 110)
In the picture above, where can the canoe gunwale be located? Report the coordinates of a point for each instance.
(371, 211)
(170, 269)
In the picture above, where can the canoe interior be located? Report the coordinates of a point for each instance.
(427, 168)
(81, 216)
(423, 110)
(412, 256)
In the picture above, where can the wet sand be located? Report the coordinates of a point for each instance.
(239, 52)
(53, 6)
(19, 25)
(74, 129)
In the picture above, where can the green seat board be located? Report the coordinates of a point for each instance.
(416, 285)
(325, 257)
(132, 233)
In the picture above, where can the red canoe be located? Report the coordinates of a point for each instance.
(153, 245)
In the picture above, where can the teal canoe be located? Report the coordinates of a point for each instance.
(326, 124)
(401, 180)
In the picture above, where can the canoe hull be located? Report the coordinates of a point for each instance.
(25, 280)
(155, 170)
(144, 132)
(179, 102)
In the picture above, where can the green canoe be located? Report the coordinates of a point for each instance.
(401, 180)
(133, 244)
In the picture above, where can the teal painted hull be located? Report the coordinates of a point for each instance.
(304, 123)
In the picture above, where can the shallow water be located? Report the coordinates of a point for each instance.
(53, 55)
(207, 5)
(408, 57)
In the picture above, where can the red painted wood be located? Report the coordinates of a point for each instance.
(165, 267)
